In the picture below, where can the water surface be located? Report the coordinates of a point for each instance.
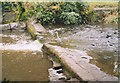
(22, 58)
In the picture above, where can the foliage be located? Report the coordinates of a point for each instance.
(45, 16)
(6, 6)
(7, 12)
(20, 9)
(64, 12)
(102, 16)
(58, 12)
(21, 12)
(9, 6)
(68, 7)
(70, 18)
(24, 16)
(5, 81)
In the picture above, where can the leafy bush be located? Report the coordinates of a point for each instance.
(45, 17)
(24, 11)
(7, 6)
(68, 7)
(44, 14)
(65, 12)
(51, 12)
(24, 16)
(70, 18)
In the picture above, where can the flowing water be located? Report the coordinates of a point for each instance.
(99, 41)
(22, 58)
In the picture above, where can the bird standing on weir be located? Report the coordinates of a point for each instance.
(58, 39)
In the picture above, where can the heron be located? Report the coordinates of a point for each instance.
(57, 39)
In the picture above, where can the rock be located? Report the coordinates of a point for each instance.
(55, 64)
(10, 26)
(108, 36)
(55, 76)
(60, 71)
(110, 44)
(109, 41)
(36, 29)
(74, 80)
(23, 25)
(115, 33)
(39, 37)
(62, 78)
(93, 44)
(58, 67)
(14, 25)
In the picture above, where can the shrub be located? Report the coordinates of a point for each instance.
(65, 12)
(68, 7)
(24, 16)
(70, 18)
(7, 6)
(45, 14)
(45, 17)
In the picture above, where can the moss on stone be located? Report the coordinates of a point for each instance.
(31, 30)
(54, 54)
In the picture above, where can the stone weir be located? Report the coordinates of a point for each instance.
(75, 61)
(35, 29)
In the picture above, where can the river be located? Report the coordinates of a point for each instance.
(22, 58)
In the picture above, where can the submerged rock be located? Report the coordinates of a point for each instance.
(56, 74)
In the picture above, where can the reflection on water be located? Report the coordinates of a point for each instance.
(22, 58)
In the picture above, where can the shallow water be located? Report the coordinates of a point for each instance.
(99, 41)
(22, 58)
(25, 66)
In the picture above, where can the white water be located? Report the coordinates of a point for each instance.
(33, 46)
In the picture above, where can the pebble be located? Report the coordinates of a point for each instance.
(93, 44)
(29, 71)
(115, 32)
(108, 36)
(110, 44)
